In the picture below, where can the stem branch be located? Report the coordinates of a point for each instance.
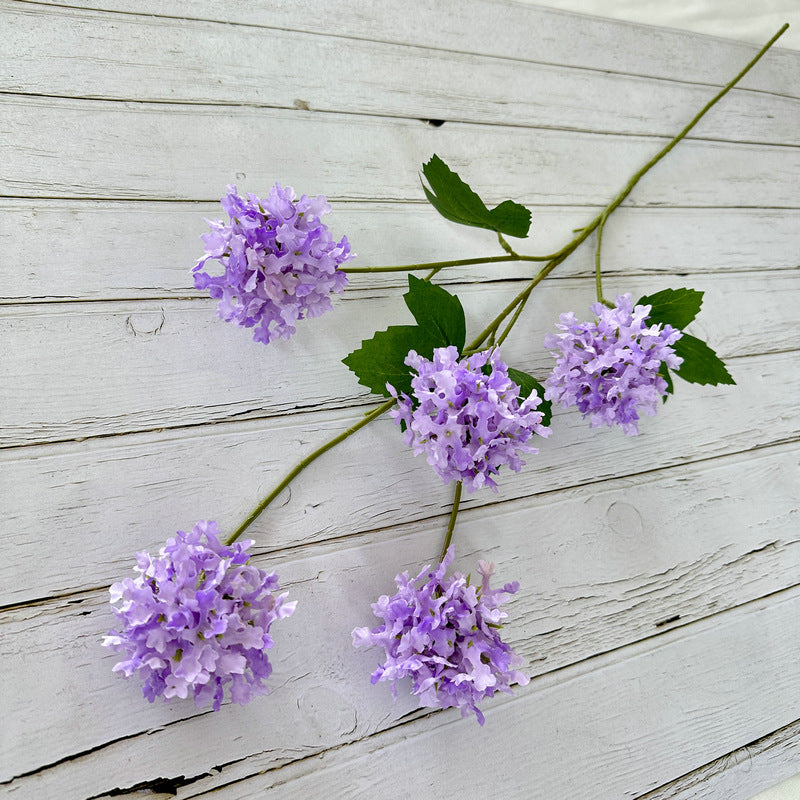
(461, 262)
(515, 306)
(452, 523)
(437, 265)
(600, 219)
(298, 468)
(505, 245)
(598, 278)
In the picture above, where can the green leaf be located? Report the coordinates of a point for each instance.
(676, 307)
(455, 201)
(380, 359)
(440, 323)
(663, 371)
(435, 309)
(700, 363)
(527, 384)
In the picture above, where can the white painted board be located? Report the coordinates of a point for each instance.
(658, 605)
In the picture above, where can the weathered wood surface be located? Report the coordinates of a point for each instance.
(85, 490)
(142, 58)
(738, 775)
(499, 28)
(83, 344)
(679, 694)
(71, 148)
(142, 250)
(659, 575)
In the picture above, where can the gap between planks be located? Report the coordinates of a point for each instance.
(442, 89)
(594, 43)
(656, 664)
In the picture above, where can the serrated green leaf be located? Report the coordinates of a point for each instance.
(527, 384)
(663, 371)
(676, 307)
(435, 308)
(455, 200)
(440, 323)
(700, 363)
(380, 360)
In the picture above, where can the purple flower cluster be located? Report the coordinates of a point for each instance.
(444, 635)
(609, 368)
(281, 263)
(196, 619)
(467, 416)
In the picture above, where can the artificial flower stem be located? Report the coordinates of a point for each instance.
(584, 234)
(552, 262)
(598, 279)
(513, 320)
(522, 297)
(300, 466)
(505, 245)
(432, 273)
(451, 525)
(437, 265)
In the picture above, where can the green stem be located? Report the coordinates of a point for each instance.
(600, 219)
(452, 523)
(515, 306)
(437, 265)
(522, 297)
(505, 245)
(432, 273)
(598, 279)
(293, 473)
(513, 321)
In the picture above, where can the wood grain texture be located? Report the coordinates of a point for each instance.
(145, 250)
(678, 694)
(71, 53)
(659, 590)
(741, 774)
(88, 491)
(72, 148)
(497, 28)
(208, 374)
(608, 746)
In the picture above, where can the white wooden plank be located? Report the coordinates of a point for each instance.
(103, 149)
(498, 28)
(610, 731)
(579, 578)
(110, 497)
(742, 773)
(678, 544)
(71, 53)
(183, 366)
(145, 250)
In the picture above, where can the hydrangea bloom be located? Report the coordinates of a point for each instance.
(609, 368)
(196, 619)
(444, 634)
(281, 263)
(466, 416)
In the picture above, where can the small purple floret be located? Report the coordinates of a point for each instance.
(444, 634)
(608, 368)
(196, 620)
(281, 263)
(466, 416)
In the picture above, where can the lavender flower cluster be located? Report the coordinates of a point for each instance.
(196, 620)
(444, 635)
(281, 263)
(466, 416)
(609, 367)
